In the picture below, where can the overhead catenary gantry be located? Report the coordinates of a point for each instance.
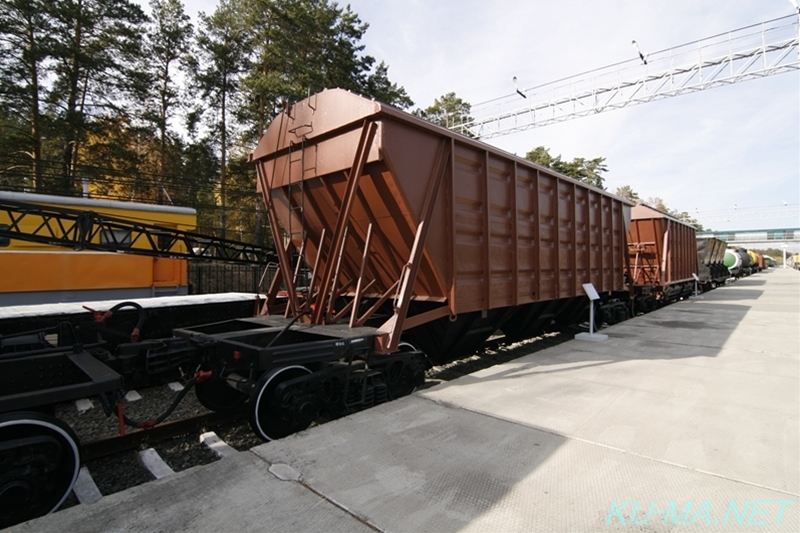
(747, 53)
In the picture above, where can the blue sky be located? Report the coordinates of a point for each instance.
(702, 153)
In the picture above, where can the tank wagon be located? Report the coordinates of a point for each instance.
(663, 257)
(421, 244)
(756, 261)
(738, 262)
(710, 267)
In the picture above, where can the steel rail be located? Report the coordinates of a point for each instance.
(135, 439)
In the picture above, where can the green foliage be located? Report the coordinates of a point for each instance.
(92, 90)
(26, 44)
(448, 111)
(222, 45)
(683, 216)
(628, 193)
(658, 203)
(382, 89)
(586, 170)
(166, 45)
(299, 47)
(96, 45)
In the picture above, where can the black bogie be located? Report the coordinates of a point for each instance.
(39, 463)
(288, 399)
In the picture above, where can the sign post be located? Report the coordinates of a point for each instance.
(591, 292)
(696, 284)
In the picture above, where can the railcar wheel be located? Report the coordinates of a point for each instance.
(401, 378)
(268, 417)
(39, 463)
(215, 395)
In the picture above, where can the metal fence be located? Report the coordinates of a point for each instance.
(210, 278)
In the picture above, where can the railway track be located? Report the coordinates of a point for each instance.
(194, 436)
(112, 463)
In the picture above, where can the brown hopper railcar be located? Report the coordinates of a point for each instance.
(663, 257)
(404, 244)
(460, 238)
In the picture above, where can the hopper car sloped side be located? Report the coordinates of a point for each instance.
(663, 256)
(710, 270)
(421, 232)
(719, 271)
(705, 248)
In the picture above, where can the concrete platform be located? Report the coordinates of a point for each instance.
(686, 419)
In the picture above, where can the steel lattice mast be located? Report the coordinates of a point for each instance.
(748, 53)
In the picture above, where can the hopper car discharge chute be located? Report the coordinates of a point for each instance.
(419, 244)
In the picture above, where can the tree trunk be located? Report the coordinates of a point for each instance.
(36, 127)
(72, 115)
(223, 163)
(162, 126)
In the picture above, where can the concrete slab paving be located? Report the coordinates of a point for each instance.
(421, 466)
(236, 494)
(715, 411)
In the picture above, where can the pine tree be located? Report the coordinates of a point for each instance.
(166, 46)
(627, 192)
(217, 70)
(96, 41)
(589, 171)
(448, 111)
(25, 47)
(301, 47)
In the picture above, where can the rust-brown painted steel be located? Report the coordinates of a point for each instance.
(454, 221)
(662, 249)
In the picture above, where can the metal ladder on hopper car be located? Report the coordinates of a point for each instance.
(298, 209)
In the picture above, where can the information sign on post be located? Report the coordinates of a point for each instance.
(591, 292)
(696, 286)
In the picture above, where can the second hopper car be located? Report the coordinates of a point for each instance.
(421, 244)
(663, 257)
